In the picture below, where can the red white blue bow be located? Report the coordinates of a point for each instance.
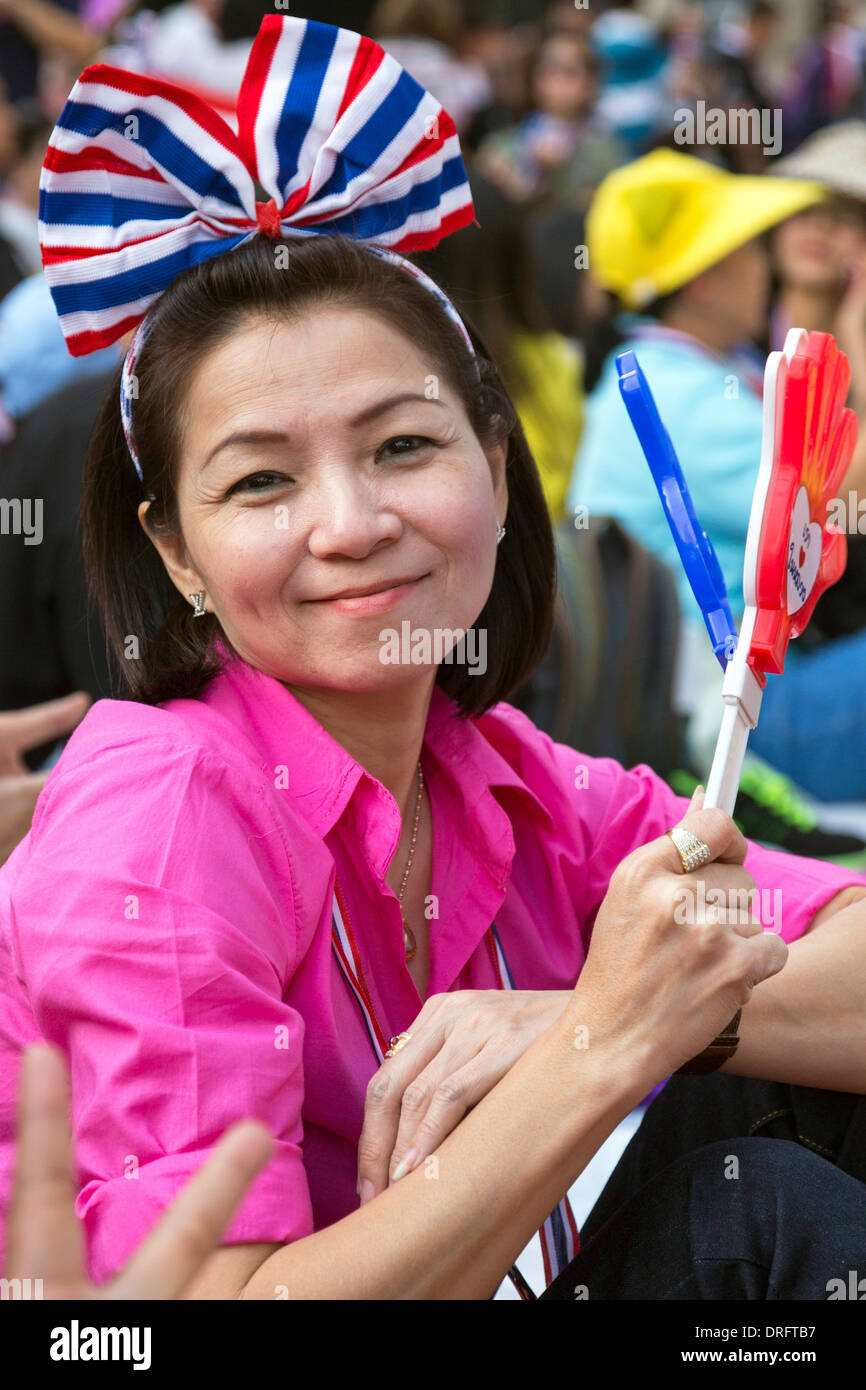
(143, 179)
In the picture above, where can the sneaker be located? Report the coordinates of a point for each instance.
(769, 811)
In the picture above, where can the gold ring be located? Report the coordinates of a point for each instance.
(396, 1043)
(693, 851)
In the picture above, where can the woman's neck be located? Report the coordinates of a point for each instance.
(381, 730)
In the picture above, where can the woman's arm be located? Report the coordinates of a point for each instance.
(650, 996)
(452, 1228)
(807, 1026)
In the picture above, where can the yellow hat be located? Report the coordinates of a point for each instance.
(658, 222)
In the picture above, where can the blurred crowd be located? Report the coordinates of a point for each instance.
(620, 201)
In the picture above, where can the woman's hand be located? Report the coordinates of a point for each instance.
(46, 1240)
(663, 976)
(461, 1045)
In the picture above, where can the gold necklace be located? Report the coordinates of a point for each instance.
(408, 935)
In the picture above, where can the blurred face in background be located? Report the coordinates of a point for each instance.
(564, 83)
(733, 295)
(563, 14)
(815, 249)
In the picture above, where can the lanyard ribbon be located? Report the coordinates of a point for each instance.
(559, 1237)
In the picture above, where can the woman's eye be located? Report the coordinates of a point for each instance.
(404, 444)
(264, 479)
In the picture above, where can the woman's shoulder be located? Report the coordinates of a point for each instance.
(152, 756)
(549, 769)
(114, 729)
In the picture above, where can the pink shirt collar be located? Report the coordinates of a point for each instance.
(343, 804)
(322, 774)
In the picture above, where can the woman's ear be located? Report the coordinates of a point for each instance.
(497, 458)
(173, 553)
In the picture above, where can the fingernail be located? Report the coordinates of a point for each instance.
(405, 1165)
(367, 1191)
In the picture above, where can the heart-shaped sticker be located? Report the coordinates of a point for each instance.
(804, 552)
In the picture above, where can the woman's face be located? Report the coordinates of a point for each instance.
(564, 84)
(326, 455)
(814, 249)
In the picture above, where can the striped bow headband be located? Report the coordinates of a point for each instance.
(142, 179)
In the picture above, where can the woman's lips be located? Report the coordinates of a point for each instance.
(371, 603)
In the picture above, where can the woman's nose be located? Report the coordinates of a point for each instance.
(350, 520)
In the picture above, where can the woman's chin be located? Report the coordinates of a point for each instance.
(366, 677)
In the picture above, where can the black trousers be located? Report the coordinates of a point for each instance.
(731, 1189)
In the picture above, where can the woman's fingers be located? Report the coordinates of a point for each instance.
(715, 827)
(190, 1229)
(433, 1102)
(449, 1098)
(382, 1107)
(727, 843)
(45, 1238)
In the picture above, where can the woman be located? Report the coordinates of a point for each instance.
(558, 153)
(284, 850)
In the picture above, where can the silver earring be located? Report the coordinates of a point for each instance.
(500, 532)
(198, 600)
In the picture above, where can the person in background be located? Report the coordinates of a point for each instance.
(27, 29)
(202, 45)
(718, 69)
(424, 36)
(820, 266)
(505, 53)
(51, 640)
(22, 730)
(738, 49)
(34, 361)
(634, 74)
(558, 153)
(13, 266)
(19, 196)
(827, 78)
(10, 132)
(488, 272)
(691, 287)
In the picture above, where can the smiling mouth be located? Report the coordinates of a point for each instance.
(370, 590)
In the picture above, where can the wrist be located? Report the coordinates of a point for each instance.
(615, 1064)
(720, 1050)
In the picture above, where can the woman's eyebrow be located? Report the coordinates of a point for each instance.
(279, 437)
(379, 407)
(246, 437)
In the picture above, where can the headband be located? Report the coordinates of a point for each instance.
(143, 179)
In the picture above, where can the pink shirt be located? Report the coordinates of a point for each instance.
(167, 923)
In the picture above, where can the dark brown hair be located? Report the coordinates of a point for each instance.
(200, 310)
